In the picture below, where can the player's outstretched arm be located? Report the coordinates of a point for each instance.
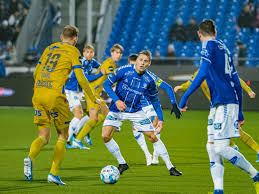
(247, 88)
(85, 84)
(171, 95)
(200, 77)
(91, 78)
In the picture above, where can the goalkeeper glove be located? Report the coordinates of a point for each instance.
(176, 111)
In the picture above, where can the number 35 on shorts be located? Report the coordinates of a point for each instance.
(37, 113)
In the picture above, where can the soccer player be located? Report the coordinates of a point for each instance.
(133, 82)
(49, 99)
(149, 110)
(98, 113)
(245, 137)
(74, 92)
(226, 105)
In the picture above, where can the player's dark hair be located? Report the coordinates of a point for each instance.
(147, 53)
(70, 32)
(117, 46)
(207, 28)
(88, 46)
(133, 57)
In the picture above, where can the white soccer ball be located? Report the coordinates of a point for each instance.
(110, 174)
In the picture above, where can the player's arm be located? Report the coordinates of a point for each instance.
(162, 84)
(91, 78)
(84, 83)
(238, 89)
(185, 85)
(200, 77)
(107, 85)
(247, 88)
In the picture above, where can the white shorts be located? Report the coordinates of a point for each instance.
(225, 121)
(73, 98)
(139, 120)
(149, 111)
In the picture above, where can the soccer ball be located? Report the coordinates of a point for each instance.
(110, 174)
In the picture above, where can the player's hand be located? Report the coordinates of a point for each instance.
(120, 105)
(184, 109)
(103, 71)
(240, 123)
(176, 111)
(98, 101)
(177, 88)
(159, 127)
(251, 94)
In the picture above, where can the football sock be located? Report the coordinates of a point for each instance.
(113, 147)
(216, 167)
(101, 118)
(248, 140)
(155, 153)
(72, 126)
(140, 138)
(236, 158)
(36, 146)
(59, 152)
(81, 123)
(86, 129)
(231, 143)
(162, 152)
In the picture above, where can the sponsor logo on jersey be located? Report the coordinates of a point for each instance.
(126, 87)
(111, 118)
(145, 122)
(217, 126)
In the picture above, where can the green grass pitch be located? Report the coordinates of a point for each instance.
(185, 140)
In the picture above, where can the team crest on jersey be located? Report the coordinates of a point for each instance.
(144, 86)
(205, 52)
(217, 126)
(145, 122)
(129, 73)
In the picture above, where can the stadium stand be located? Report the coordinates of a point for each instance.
(145, 25)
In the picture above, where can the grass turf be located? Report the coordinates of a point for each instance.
(185, 140)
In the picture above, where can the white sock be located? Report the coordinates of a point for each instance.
(162, 152)
(72, 127)
(113, 147)
(81, 123)
(216, 167)
(235, 157)
(155, 154)
(140, 138)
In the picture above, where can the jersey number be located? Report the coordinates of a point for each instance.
(228, 68)
(52, 61)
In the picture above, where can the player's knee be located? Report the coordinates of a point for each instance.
(106, 138)
(152, 137)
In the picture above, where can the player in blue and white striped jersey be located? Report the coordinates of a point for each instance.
(226, 105)
(74, 93)
(149, 110)
(132, 83)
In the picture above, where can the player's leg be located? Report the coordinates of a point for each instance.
(37, 144)
(42, 120)
(216, 161)
(225, 126)
(233, 145)
(78, 115)
(154, 120)
(58, 156)
(248, 140)
(111, 123)
(140, 138)
(162, 152)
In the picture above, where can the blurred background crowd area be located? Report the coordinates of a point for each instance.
(168, 28)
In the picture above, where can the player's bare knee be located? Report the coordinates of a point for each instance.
(106, 138)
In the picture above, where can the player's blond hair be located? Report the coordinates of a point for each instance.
(147, 53)
(70, 32)
(88, 46)
(117, 46)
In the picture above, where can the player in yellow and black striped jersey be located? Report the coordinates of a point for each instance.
(246, 138)
(49, 99)
(98, 113)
